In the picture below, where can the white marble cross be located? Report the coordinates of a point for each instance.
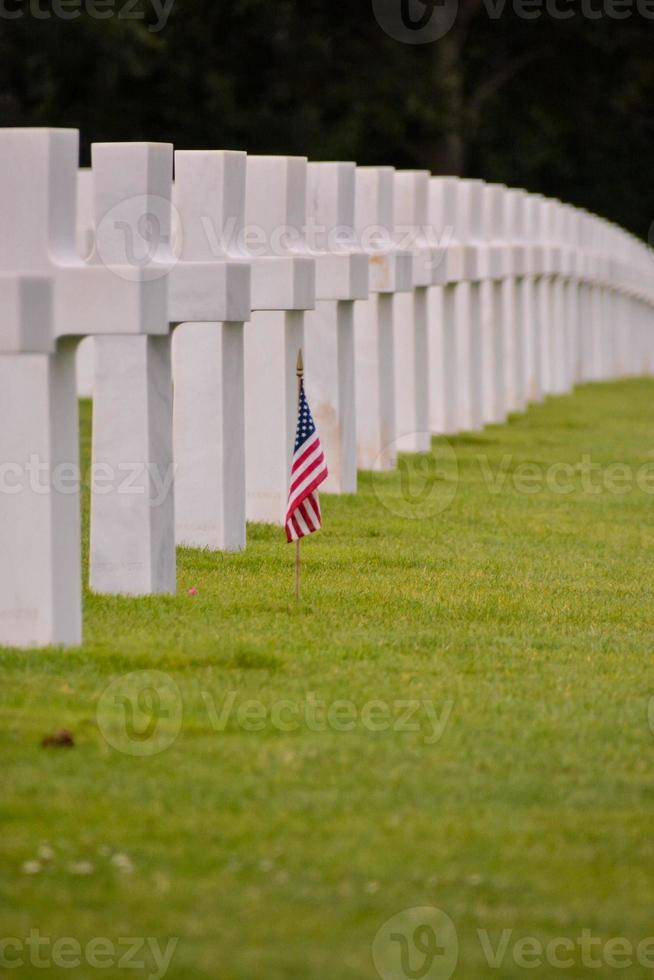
(411, 311)
(574, 301)
(522, 289)
(617, 263)
(40, 560)
(608, 245)
(554, 298)
(446, 311)
(283, 288)
(619, 249)
(536, 260)
(584, 277)
(605, 326)
(341, 278)
(132, 489)
(391, 271)
(597, 319)
(560, 381)
(550, 297)
(208, 364)
(503, 347)
(478, 308)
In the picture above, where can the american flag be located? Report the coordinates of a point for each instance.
(308, 471)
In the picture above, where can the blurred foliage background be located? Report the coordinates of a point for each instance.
(561, 106)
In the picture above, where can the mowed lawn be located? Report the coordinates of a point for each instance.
(493, 757)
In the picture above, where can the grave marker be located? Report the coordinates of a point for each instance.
(40, 561)
(341, 278)
(521, 287)
(446, 346)
(283, 288)
(411, 311)
(391, 271)
(210, 295)
(132, 494)
(538, 326)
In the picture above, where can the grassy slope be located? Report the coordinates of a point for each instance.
(279, 855)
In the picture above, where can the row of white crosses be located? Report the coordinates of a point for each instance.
(423, 305)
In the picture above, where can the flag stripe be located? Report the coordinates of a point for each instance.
(308, 506)
(316, 460)
(306, 483)
(309, 516)
(299, 518)
(315, 483)
(298, 459)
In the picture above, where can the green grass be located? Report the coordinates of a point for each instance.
(526, 622)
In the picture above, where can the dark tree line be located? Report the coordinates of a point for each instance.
(563, 106)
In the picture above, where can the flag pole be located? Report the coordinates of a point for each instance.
(299, 370)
